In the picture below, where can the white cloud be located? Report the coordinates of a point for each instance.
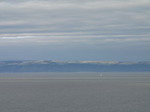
(41, 4)
(18, 37)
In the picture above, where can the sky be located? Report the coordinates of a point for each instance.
(73, 30)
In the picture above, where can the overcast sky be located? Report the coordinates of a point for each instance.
(104, 30)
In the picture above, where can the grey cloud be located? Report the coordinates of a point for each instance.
(100, 18)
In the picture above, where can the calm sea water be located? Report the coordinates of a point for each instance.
(75, 92)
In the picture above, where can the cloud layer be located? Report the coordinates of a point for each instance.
(99, 24)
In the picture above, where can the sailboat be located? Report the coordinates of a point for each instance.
(101, 75)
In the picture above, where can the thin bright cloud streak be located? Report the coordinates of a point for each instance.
(85, 5)
(74, 39)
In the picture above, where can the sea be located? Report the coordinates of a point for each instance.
(75, 92)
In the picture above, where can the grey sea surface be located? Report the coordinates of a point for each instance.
(75, 92)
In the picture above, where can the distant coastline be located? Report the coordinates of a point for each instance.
(72, 66)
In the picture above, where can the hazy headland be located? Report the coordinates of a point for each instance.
(72, 66)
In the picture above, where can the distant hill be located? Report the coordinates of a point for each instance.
(73, 66)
